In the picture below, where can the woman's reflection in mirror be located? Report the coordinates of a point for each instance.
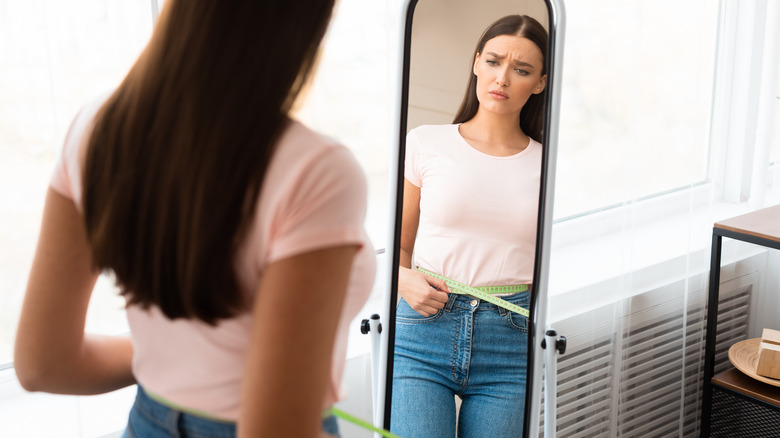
(470, 205)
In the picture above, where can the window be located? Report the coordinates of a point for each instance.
(55, 59)
(775, 154)
(635, 107)
(55, 56)
(626, 217)
(356, 77)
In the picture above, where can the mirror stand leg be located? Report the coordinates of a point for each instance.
(557, 345)
(373, 327)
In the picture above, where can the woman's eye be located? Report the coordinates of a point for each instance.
(491, 62)
(521, 72)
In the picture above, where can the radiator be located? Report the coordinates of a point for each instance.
(634, 368)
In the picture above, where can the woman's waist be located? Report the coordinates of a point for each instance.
(169, 404)
(518, 298)
(510, 297)
(494, 282)
(160, 408)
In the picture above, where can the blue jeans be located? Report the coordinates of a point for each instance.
(152, 419)
(472, 349)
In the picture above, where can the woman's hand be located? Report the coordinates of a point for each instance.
(425, 294)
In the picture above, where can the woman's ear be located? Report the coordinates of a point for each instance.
(542, 85)
(474, 67)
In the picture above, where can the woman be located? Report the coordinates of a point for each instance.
(234, 232)
(469, 214)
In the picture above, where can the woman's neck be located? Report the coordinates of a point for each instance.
(495, 134)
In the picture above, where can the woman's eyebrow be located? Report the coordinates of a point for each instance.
(524, 64)
(517, 63)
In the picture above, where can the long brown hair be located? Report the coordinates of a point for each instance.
(177, 156)
(532, 115)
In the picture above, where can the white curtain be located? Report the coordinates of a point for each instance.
(669, 123)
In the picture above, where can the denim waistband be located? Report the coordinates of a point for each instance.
(184, 422)
(151, 418)
(166, 404)
(468, 302)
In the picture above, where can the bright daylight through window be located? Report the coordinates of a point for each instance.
(57, 55)
(631, 124)
(623, 101)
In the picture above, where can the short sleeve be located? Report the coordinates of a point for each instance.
(325, 208)
(66, 178)
(412, 160)
(61, 179)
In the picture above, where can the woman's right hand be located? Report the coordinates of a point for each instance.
(425, 294)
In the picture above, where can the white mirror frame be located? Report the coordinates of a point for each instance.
(541, 282)
(538, 306)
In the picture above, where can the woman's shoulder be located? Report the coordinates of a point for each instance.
(301, 138)
(302, 150)
(300, 144)
(296, 135)
(313, 186)
(534, 147)
(431, 136)
(83, 121)
(66, 177)
(434, 130)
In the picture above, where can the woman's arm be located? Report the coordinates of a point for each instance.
(423, 293)
(288, 366)
(410, 220)
(52, 353)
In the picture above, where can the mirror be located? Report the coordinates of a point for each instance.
(471, 222)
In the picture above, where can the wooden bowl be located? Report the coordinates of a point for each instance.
(744, 356)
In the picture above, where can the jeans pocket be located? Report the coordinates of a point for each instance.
(404, 314)
(517, 322)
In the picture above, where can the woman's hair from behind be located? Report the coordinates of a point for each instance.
(532, 114)
(178, 153)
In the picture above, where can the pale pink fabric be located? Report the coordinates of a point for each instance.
(313, 196)
(478, 212)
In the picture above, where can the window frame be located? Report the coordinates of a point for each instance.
(741, 177)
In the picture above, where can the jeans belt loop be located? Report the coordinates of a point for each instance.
(450, 302)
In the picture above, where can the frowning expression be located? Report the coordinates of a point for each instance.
(509, 71)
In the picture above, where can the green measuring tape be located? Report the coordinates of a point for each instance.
(484, 293)
(357, 421)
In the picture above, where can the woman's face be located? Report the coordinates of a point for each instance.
(509, 71)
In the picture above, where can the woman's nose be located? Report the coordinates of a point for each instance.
(503, 78)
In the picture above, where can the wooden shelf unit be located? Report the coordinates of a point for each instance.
(761, 227)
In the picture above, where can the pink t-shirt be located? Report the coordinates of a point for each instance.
(478, 212)
(313, 197)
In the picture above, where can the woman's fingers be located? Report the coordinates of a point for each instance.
(436, 299)
(426, 311)
(430, 302)
(437, 283)
(425, 294)
(429, 308)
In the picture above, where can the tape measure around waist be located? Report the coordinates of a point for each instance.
(358, 422)
(484, 293)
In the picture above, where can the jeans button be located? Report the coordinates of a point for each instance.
(474, 303)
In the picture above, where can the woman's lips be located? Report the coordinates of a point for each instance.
(498, 95)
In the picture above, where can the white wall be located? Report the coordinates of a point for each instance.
(444, 35)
